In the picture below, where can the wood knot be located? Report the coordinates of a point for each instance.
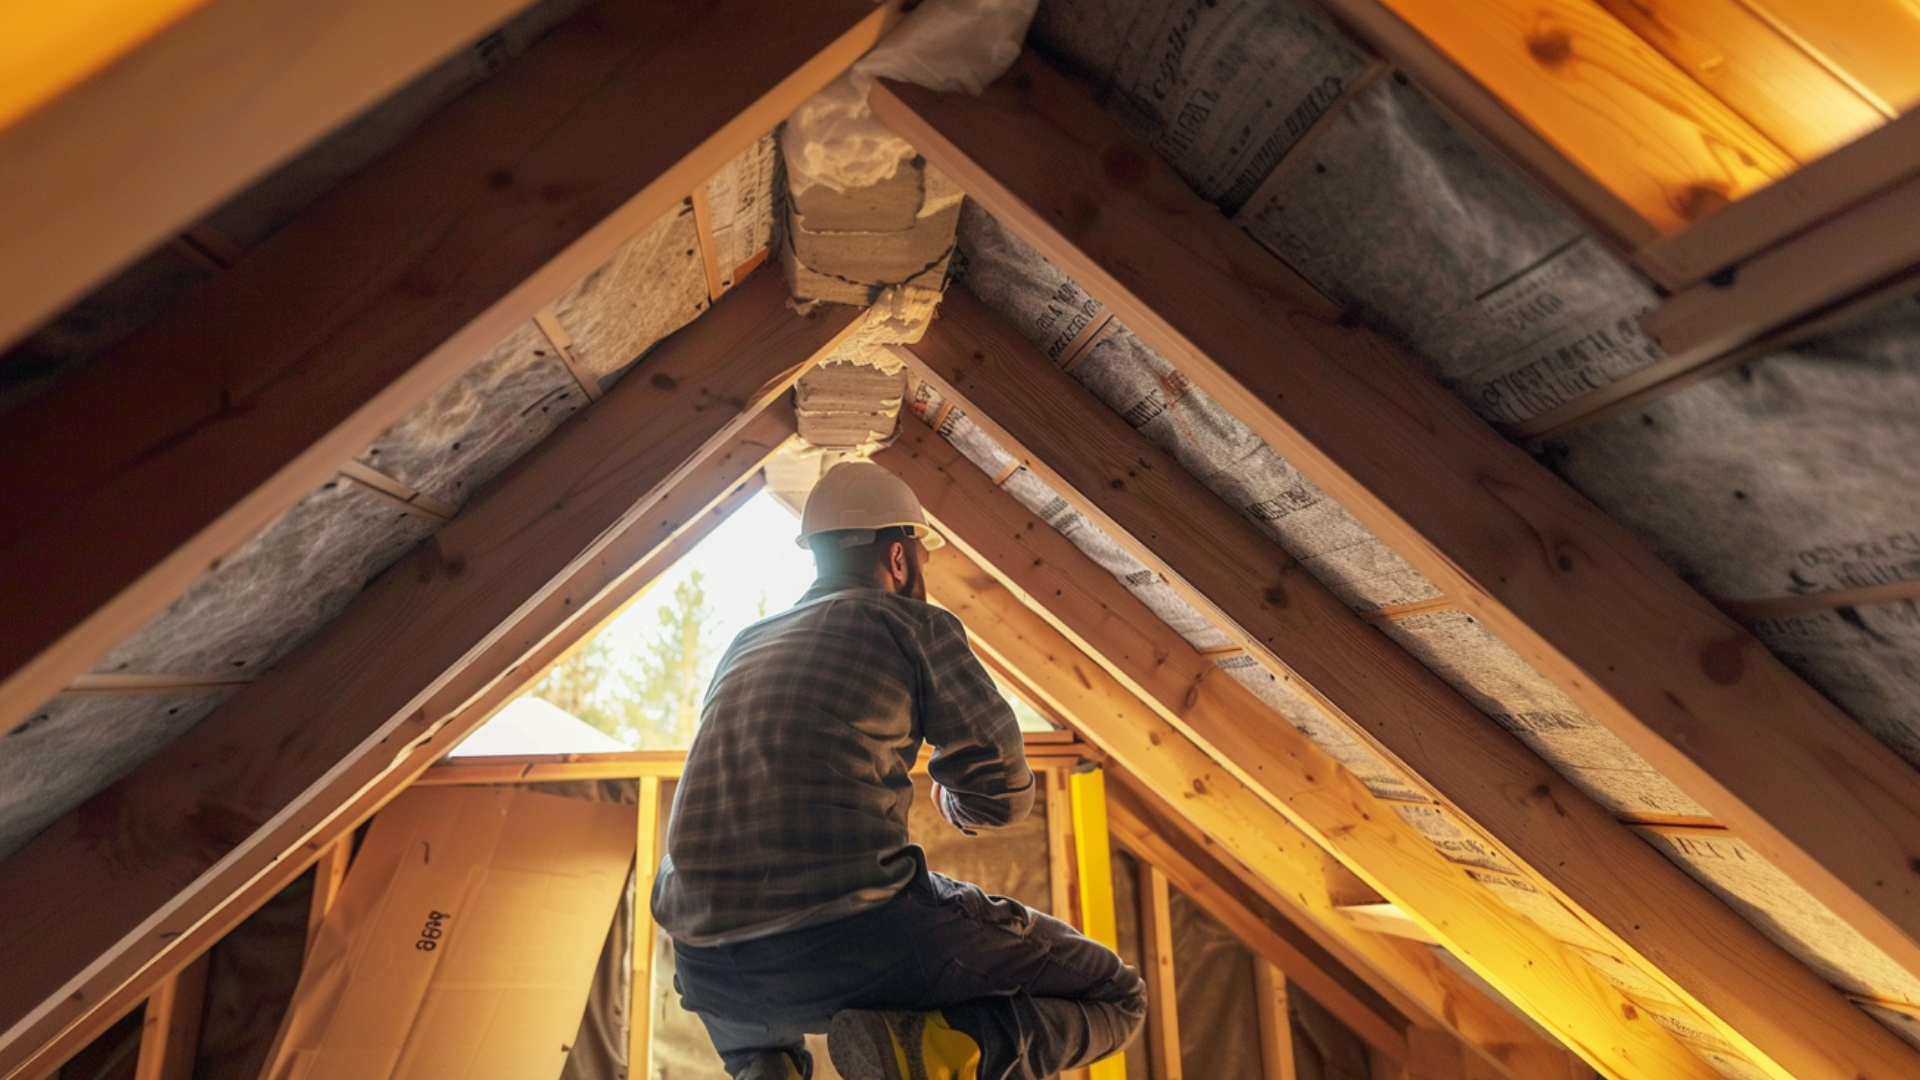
(1552, 47)
(663, 381)
(1723, 661)
(1696, 201)
(1277, 596)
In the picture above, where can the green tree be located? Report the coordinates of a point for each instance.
(674, 664)
(591, 683)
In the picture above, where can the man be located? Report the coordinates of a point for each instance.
(796, 903)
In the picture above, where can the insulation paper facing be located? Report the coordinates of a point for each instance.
(1055, 314)
(1220, 89)
(1782, 910)
(1488, 673)
(1456, 840)
(740, 198)
(1864, 659)
(480, 423)
(1440, 247)
(77, 744)
(276, 590)
(1791, 475)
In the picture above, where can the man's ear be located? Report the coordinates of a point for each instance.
(897, 556)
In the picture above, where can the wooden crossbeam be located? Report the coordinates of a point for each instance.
(1156, 960)
(127, 122)
(1641, 903)
(101, 893)
(250, 392)
(1148, 735)
(1544, 569)
(170, 1031)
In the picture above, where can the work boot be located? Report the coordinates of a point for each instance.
(770, 1065)
(892, 1045)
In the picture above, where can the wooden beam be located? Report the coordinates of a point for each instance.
(646, 865)
(549, 630)
(1045, 755)
(1156, 962)
(124, 123)
(329, 873)
(1814, 193)
(1574, 849)
(1148, 738)
(101, 893)
(1276, 1028)
(1626, 115)
(170, 1034)
(1543, 568)
(249, 393)
(1844, 255)
(1259, 908)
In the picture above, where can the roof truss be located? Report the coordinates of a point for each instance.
(1506, 541)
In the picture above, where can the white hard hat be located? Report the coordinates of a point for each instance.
(861, 495)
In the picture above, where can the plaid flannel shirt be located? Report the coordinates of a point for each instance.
(792, 810)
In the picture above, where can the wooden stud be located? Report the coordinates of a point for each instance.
(1593, 611)
(1816, 192)
(1293, 777)
(1063, 884)
(1276, 1026)
(397, 494)
(1779, 607)
(562, 342)
(1156, 960)
(1571, 848)
(428, 637)
(1872, 241)
(123, 682)
(646, 865)
(248, 394)
(717, 279)
(329, 874)
(170, 1034)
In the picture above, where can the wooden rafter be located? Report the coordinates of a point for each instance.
(1571, 847)
(106, 155)
(1566, 586)
(567, 615)
(250, 392)
(103, 892)
(1150, 736)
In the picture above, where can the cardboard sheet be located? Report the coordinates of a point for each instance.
(464, 941)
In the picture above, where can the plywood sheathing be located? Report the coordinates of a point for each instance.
(1050, 310)
(1367, 191)
(77, 744)
(132, 298)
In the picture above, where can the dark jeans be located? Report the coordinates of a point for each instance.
(1033, 992)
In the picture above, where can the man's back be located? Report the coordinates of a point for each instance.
(793, 807)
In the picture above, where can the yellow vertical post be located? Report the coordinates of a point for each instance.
(646, 863)
(1087, 792)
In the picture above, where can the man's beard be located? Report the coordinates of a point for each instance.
(915, 586)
